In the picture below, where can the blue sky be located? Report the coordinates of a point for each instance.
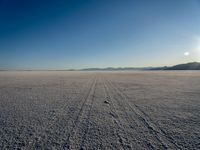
(64, 34)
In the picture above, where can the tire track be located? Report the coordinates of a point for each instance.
(129, 118)
(159, 134)
(80, 116)
(123, 139)
(87, 119)
(55, 116)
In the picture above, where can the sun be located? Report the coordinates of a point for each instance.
(187, 53)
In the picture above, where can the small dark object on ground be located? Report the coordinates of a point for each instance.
(106, 102)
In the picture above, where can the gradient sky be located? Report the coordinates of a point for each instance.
(64, 34)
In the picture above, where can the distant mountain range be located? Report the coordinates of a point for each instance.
(187, 66)
(119, 68)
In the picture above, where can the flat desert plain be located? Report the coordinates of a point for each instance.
(99, 110)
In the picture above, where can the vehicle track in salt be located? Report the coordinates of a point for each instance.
(131, 122)
(54, 119)
(83, 112)
(119, 131)
(160, 135)
(83, 138)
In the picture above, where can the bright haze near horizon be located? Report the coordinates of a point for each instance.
(64, 34)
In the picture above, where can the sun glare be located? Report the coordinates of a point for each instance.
(187, 53)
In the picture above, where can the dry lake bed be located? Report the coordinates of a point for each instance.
(100, 110)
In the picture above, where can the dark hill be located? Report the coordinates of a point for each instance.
(188, 66)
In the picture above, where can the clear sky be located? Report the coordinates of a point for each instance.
(64, 34)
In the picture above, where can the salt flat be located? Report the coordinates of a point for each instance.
(100, 110)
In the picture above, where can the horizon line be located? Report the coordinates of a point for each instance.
(96, 68)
